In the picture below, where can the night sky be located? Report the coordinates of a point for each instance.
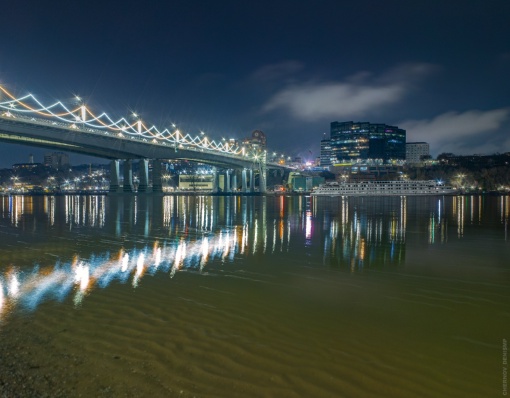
(439, 69)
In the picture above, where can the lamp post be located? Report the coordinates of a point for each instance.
(460, 178)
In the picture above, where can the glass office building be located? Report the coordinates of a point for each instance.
(367, 142)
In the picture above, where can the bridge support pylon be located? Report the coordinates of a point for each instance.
(227, 180)
(233, 187)
(244, 185)
(215, 184)
(252, 182)
(128, 176)
(143, 173)
(114, 176)
(262, 179)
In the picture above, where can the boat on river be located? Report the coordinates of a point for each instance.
(383, 188)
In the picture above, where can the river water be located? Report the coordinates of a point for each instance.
(197, 296)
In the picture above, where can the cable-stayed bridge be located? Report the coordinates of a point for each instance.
(25, 120)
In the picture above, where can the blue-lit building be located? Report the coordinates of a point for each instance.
(366, 142)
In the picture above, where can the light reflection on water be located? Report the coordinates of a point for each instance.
(195, 231)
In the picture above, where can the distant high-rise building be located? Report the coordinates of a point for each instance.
(257, 141)
(363, 141)
(56, 160)
(415, 151)
(325, 159)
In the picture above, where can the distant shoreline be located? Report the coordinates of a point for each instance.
(276, 194)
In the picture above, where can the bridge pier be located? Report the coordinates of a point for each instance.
(216, 178)
(227, 180)
(234, 181)
(244, 187)
(128, 176)
(114, 176)
(144, 175)
(262, 179)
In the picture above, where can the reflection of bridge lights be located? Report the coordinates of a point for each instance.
(205, 252)
(14, 285)
(124, 262)
(82, 276)
(139, 269)
(139, 263)
(157, 256)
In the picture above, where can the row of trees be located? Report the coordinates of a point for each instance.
(485, 179)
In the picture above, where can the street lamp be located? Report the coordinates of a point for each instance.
(138, 122)
(460, 178)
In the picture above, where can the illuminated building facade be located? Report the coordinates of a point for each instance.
(366, 142)
(256, 142)
(196, 182)
(415, 151)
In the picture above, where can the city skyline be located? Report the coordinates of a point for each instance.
(436, 70)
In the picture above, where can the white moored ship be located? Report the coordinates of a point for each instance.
(383, 188)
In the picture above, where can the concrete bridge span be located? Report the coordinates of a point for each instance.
(115, 146)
